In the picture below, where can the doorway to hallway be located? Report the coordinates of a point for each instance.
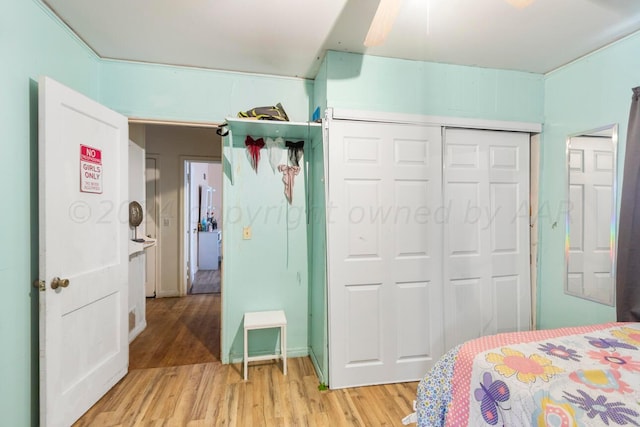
(202, 222)
(181, 328)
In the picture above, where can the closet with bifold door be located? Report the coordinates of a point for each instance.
(427, 244)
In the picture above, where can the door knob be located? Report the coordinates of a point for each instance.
(59, 283)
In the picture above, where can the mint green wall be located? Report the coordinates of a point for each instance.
(193, 94)
(190, 94)
(37, 43)
(374, 83)
(586, 94)
(320, 88)
(317, 264)
(32, 43)
(317, 249)
(268, 271)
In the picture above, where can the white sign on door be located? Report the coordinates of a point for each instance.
(90, 169)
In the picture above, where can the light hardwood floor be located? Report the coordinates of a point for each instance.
(176, 379)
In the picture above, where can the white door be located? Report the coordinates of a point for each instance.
(384, 252)
(591, 177)
(83, 239)
(151, 224)
(192, 218)
(186, 226)
(486, 233)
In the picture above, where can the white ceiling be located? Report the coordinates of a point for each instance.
(289, 37)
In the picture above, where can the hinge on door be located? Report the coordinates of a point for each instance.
(40, 284)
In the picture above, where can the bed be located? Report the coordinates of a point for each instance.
(580, 376)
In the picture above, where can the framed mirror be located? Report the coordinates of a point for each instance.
(591, 214)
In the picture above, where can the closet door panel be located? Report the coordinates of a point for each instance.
(413, 341)
(465, 321)
(465, 223)
(364, 325)
(506, 288)
(416, 239)
(384, 252)
(486, 241)
(364, 232)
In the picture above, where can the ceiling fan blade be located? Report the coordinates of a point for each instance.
(382, 22)
(521, 4)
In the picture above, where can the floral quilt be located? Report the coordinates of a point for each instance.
(583, 376)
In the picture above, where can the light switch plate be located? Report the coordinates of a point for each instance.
(246, 233)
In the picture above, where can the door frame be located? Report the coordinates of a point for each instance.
(425, 120)
(186, 123)
(183, 219)
(534, 192)
(158, 229)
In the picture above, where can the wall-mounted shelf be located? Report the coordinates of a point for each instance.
(273, 129)
(289, 131)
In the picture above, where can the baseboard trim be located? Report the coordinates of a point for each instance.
(167, 294)
(316, 366)
(291, 353)
(137, 330)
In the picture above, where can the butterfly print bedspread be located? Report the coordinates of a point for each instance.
(582, 376)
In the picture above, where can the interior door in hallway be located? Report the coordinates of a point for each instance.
(83, 247)
(486, 233)
(384, 252)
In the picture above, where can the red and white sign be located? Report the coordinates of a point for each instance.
(90, 169)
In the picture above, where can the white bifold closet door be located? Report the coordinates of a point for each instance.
(384, 252)
(486, 234)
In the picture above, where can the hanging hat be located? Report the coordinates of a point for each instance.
(253, 151)
(295, 152)
(275, 147)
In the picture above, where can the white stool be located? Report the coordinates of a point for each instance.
(265, 320)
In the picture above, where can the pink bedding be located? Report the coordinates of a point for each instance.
(581, 376)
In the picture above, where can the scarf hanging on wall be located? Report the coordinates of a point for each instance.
(275, 147)
(253, 151)
(288, 177)
(296, 151)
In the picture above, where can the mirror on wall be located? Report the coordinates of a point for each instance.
(591, 214)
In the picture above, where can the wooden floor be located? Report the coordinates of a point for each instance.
(180, 331)
(206, 282)
(167, 386)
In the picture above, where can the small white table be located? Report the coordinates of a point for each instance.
(265, 320)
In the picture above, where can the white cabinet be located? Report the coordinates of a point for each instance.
(208, 250)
